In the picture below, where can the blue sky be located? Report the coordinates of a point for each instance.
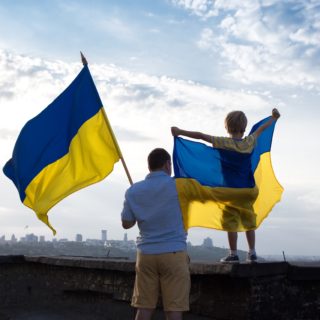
(163, 63)
(139, 35)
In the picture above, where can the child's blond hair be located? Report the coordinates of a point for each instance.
(236, 122)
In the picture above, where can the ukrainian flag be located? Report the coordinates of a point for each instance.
(223, 189)
(66, 147)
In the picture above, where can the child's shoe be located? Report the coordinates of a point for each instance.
(252, 258)
(231, 258)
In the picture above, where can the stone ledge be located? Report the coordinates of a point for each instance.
(12, 259)
(218, 291)
(241, 270)
(84, 262)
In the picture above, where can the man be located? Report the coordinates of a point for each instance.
(162, 261)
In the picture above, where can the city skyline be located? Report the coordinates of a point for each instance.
(169, 63)
(77, 235)
(129, 243)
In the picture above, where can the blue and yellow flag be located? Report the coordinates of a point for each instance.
(66, 147)
(224, 189)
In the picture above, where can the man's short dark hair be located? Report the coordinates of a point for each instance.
(157, 158)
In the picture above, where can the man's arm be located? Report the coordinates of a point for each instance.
(274, 117)
(191, 134)
(127, 217)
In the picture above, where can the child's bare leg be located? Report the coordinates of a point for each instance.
(251, 238)
(233, 238)
(233, 255)
(252, 256)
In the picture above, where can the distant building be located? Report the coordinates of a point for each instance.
(189, 244)
(63, 240)
(13, 239)
(42, 239)
(207, 243)
(3, 239)
(78, 237)
(31, 238)
(104, 235)
(125, 237)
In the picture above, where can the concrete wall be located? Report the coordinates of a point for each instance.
(88, 288)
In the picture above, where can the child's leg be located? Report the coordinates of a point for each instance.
(252, 256)
(233, 256)
(233, 238)
(251, 239)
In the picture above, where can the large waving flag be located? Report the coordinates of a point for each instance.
(223, 189)
(66, 147)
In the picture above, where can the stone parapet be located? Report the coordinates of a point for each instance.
(278, 290)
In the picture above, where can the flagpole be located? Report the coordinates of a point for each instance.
(85, 62)
(117, 146)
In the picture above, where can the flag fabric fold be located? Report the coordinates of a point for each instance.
(224, 189)
(66, 147)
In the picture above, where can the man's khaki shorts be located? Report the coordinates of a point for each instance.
(166, 272)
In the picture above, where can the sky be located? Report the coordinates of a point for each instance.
(164, 63)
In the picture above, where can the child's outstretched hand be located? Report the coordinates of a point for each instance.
(275, 114)
(175, 131)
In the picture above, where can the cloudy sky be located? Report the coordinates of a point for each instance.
(161, 63)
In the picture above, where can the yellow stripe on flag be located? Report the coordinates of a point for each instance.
(91, 157)
(211, 207)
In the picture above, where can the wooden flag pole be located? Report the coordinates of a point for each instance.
(85, 62)
(117, 146)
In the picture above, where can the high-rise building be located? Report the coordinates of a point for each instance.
(42, 239)
(104, 235)
(31, 238)
(125, 237)
(78, 237)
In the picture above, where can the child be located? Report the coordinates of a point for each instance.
(235, 124)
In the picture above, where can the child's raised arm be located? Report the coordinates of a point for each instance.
(274, 117)
(191, 134)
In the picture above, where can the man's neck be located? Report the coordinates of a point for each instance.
(159, 170)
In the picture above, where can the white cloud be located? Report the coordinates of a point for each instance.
(8, 134)
(5, 210)
(212, 8)
(206, 39)
(21, 78)
(306, 36)
(311, 200)
(202, 8)
(264, 42)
